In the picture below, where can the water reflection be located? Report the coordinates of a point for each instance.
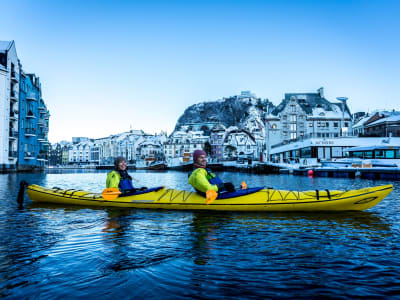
(52, 251)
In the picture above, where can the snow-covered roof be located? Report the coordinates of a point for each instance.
(335, 113)
(361, 122)
(393, 118)
(219, 127)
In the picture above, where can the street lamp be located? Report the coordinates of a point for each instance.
(343, 100)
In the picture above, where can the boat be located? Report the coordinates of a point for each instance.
(251, 199)
(151, 165)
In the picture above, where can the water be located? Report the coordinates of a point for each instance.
(49, 251)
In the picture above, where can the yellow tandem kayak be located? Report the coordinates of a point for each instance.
(253, 199)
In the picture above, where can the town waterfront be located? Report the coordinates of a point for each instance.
(50, 251)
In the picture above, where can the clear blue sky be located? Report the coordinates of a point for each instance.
(109, 65)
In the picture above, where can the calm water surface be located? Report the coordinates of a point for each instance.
(49, 251)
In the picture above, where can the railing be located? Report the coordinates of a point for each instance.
(14, 75)
(13, 114)
(30, 130)
(13, 96)
(41, 136)
(29, 154)
(13, 133)
(31, 96)
(42, 156)
(12, 153)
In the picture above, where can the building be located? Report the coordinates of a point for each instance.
(9, 105)
(183, 142)
(239, 144)
(33, 143)
(313, 150)
(307, 115)
(384, 127)
(216, 142)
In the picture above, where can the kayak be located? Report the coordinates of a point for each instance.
(251, 199)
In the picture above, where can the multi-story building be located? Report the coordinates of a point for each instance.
(9, 105)
(239, 144)
(24, 116)
(33, 125)
(55, 155)
(216, 142)
(307, 115)
(183, 143)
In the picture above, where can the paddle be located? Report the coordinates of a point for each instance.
(211, 196)
(110, 193)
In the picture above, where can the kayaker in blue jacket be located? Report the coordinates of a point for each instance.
(203, 179)
(119, 178)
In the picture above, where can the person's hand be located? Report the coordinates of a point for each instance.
(229, 187)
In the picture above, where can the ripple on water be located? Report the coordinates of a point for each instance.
(51, 251)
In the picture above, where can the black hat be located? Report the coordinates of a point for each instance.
(117, 160)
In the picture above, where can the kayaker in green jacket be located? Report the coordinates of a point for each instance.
(203, 179)
(119, 178)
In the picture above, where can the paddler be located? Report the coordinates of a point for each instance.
(119, 178)
(203, 180)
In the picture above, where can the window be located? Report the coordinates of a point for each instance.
(305, 152)
(335, 124)
(310, 124)
(318, 124)
(389, 153)
(293, 135)
(368, 154)
(293, 118)
(346, 124)
(327, 124)
(293, 127)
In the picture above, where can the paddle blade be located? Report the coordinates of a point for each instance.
(243, 185)
(211, 196)
(110, 193)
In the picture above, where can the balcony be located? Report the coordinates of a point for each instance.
(41, 122)
(14, 76)
(41, 136)
(30, 115)
(42, 108)
(13, 134)
(42, 156)
(30, 132)
(31, 96)
(13, 97)
(29, 155)
(13, 116)
(12, 154)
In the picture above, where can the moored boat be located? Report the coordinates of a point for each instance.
(252, 199)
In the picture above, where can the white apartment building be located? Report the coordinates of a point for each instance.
(239, 143)
(307, 115)
(181, 142)
(9, 102)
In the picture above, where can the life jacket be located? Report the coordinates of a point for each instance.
(125, 182)
(211, 177)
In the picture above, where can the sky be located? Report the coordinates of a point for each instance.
(109, 66)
